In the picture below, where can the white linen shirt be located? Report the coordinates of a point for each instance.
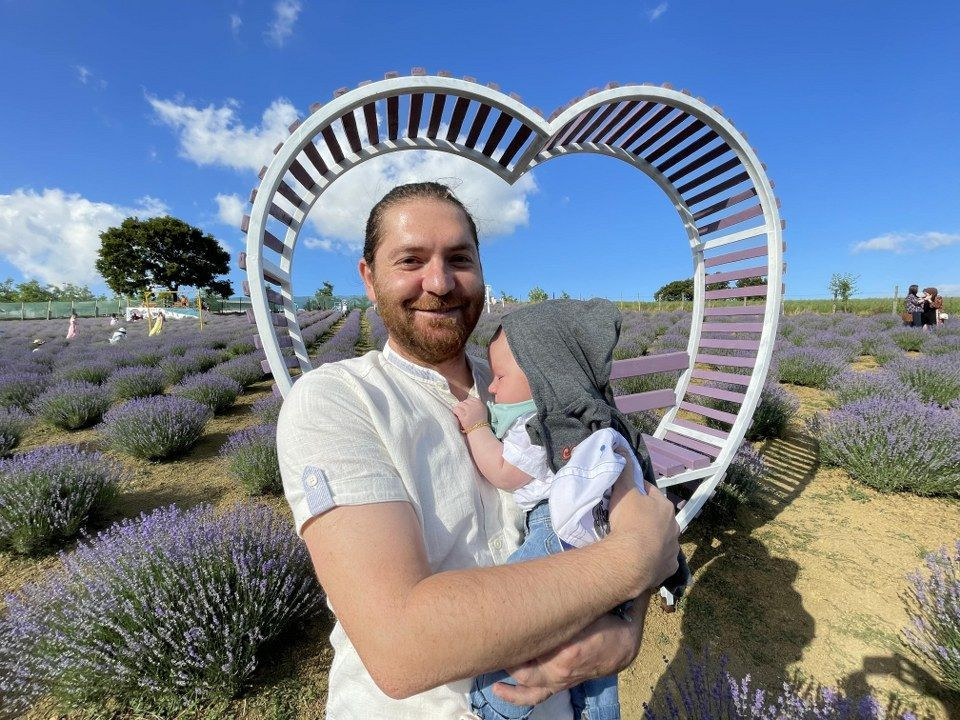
(379, 428)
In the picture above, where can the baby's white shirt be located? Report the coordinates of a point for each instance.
(529, 458)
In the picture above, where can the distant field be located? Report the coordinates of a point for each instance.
(858, 306)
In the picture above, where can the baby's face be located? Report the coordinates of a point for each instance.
(509, 383)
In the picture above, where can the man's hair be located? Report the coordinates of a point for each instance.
(402, 193)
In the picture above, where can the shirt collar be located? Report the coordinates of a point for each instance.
(425, 374)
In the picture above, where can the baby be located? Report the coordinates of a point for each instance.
(551, 366)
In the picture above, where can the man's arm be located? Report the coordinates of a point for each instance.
(415, 631)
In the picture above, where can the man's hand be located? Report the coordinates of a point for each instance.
(605, 647)
(647, 526)
(470, 412)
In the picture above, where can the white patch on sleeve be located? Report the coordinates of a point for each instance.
(316, 490)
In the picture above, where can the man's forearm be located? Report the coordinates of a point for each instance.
(458, 624)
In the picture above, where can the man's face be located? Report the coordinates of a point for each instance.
(426, 279)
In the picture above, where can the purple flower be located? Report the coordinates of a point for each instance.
(72, 405)
(252, 457)
(13, 424)
(155, 428)
(813, 367)
(212, 389)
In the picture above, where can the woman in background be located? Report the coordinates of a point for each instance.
(932, 305)
(913, 306)
(72, 327)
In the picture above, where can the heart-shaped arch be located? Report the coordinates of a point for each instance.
(690, 150)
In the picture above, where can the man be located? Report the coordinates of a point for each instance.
(406, 536)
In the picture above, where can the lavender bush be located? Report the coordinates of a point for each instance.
(252, 458)
(202, 359)
(20, 389)
(13, 424)
(267, 409)
(893, 444)
(158, 614)
(155, 428)
(935, 379)
(246, 370)
(212, 389)
(773, 413)
(703, 689)
(933, 603)
(72, 405)
(909, 338)
(93, 371)
(47, 495)
(175, 369)
(812, 367)
(133, 382)
(851, 386)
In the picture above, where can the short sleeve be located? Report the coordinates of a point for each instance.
(329, 450)
(523, 454)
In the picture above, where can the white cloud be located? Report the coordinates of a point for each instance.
(83, 73)
(285, 13)
(948, 289)
(86, 77)
(229, 210)
(53, 236)
(214, 135)
(902, 243)
(235, 23)
(657, 11)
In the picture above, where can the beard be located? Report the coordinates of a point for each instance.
(432, 339)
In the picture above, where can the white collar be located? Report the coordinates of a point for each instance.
(425, 374)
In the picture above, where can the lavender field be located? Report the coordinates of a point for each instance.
(150, 569)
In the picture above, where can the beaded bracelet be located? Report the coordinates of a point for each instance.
(482, 423)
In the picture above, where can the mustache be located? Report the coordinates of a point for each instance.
(436, 305)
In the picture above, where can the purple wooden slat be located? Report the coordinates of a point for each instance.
(732, 327)
(496, 135)
(634, 118)
(664, 464)
(700, 447)
(281, 215)
(699, 162)
(649, 364)
(715, 376)
(726, 360)
(754, 291)
(650, 400)
(734, 310)
(725, 203)
(688, 150)
(413, 117)
(750, 272)
(436, 115)
(718, 188)
(713, 413)
(747, 254)
(284, 341)
(477, 127)
(393, 117)
(750, 212)
(729, 344)
(242, 260)
(349, 122)
(370, 120)
(604, 114)
(300, 173)
(615, 120)
(456, 120)
(272, 295)
(523, 132)
(278, 320)
(709, 175)
(678, 138)
(580, 125)
(332, 144)
(272, 241)
(647, 125)
(702, 428)
(661, 133)
(289, 360)
(251, 320)
(563, 135)
(689, 458)
(718, 393)
(313, 155)
(290, 194)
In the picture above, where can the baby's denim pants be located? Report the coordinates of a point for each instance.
(592, 700)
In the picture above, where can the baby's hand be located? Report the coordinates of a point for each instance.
(470, 412)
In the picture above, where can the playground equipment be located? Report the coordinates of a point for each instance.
(710, 173)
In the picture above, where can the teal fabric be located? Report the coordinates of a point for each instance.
(502, 415)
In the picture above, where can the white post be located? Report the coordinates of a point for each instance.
(896, 297)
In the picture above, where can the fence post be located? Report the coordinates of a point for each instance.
(22, 316)
(896, 298)
(49, 302)
(96, 308)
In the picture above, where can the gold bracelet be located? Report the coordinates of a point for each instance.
(482, 423)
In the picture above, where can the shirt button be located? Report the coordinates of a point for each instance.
(496, 544)
(312, 480)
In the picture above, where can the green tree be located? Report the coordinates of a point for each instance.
(33, 291)
(505, 298)
(7, 292)
(683, 289)
(537, 294)
(69, 291)
(751, 282)
(564, 295)
(843, 286)
(162, 251)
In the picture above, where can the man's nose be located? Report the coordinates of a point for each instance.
(438, 279)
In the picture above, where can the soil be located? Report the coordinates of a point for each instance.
(805, 581)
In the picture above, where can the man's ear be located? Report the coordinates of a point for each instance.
(366, 274)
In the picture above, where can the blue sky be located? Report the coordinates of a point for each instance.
(141, 108)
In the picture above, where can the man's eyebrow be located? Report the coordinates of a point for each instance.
(414, 248)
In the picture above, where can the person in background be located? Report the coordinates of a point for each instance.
(932, 304)
(113, 319)
(913, 306)
(37, 343)
(72, 327)
(118, 335)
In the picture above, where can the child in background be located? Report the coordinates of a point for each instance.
(72, 327)
(557, 441)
